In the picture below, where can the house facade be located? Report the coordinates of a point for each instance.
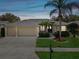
(28, 28)
(54, 27)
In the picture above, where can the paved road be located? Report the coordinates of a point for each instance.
(18, 48)
(59, 49)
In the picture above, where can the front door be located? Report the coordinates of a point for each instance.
(2, 32)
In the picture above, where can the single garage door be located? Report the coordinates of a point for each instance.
(27, 31)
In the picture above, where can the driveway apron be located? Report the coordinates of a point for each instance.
(18, 48)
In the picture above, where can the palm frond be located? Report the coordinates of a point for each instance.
(70, 6)
(67, 9)
(73, 5)
(53, 11)
(51, 3)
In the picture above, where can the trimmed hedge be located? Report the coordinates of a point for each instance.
(44, 34)
(63, 34)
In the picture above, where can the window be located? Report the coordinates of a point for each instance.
(63, 28)
(42, 28)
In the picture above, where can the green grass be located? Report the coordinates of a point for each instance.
(58, 55)
(68, 43)
(42, 42)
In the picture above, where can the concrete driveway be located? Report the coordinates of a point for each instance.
(18, 48)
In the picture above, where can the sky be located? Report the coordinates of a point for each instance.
(26, 9)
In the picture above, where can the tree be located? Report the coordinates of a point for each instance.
(72, 28)
(73, 18)
(9, 17)
(63, 8)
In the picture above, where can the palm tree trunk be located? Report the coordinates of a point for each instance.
(45, 28)
(60, 18)
(59, 29)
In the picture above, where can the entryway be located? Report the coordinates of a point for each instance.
(2, 32)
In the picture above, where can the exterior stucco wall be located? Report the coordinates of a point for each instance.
(56, 28)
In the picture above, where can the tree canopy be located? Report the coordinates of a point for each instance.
(73, 18)
(9, 17)
(68, 18)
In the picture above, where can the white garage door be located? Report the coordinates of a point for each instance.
(27, 31)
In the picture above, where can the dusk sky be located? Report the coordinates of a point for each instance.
(25, 9)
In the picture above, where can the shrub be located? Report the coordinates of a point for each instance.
(50, 30)
(44, 34)
(72, 28)
(63, 34)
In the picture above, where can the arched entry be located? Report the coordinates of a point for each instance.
(2, 32)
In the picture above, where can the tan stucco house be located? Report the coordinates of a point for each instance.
(23, 28)
(27, 28)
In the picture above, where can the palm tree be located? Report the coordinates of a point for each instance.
(46, 24)
(63, 8)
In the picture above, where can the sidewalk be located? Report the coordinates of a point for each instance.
(59, 49)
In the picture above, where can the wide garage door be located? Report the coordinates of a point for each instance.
(27, 31)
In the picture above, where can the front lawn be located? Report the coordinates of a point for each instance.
(42, 42)
(58, 55)
(68, 43)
